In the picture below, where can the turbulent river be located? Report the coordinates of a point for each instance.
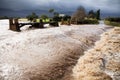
(44, 54)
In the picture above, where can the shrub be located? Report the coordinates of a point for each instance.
(117, 19)
(54, 23)
(67, 22)
(88, 21)
(44, 16)
(66, 17)
(57, 18)
(112, 21)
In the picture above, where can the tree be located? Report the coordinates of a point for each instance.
(44, 16)
(56, 14)
(79, 15)
(91, 14)
(98, 14)
(66, 17)
(32, 16)
(51, 10)
(4, 17)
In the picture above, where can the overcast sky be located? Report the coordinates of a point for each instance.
(105, 5)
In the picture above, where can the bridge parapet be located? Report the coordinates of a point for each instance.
(14, 24)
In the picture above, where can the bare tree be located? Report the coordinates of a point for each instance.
(79, 15)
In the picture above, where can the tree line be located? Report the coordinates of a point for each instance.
(55, 16)
(81, 16)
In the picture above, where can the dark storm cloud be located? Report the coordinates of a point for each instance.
(14, 4)
(105, 5)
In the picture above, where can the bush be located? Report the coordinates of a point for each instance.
(57, 18)
(67, 22)
(44, 16)
(54, 23)
(117, 19)
(112, 23)
(88, 21)
(66, 17)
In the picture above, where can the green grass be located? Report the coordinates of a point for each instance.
(44, 20)
(23, 19)
(112, 23)
(37, 20)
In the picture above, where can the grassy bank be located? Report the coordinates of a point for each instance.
(112, 23)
